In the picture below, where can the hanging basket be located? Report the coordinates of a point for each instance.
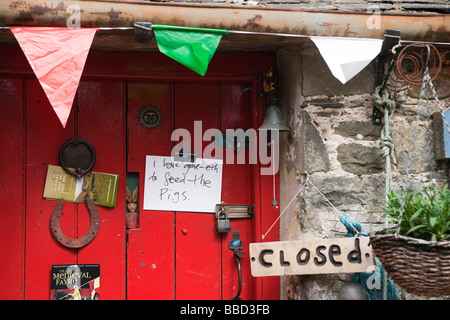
(417, 266)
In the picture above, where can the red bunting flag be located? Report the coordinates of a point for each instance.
(57, 57)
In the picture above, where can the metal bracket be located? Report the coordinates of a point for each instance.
(142, 32)
(236, 211)
(232, 139)
(184, 157)
(391, 39)
(377, 115)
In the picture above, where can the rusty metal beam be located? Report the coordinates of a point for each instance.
(417, 27)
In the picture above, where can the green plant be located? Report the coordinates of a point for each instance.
(426, 213)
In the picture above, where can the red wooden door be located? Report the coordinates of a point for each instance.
(31, 137)
(12, 184)
(171, 255)
(180, 255)
(97, 116)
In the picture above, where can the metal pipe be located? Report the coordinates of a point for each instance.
(414, 27)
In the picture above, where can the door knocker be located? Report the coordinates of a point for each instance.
(77, 157)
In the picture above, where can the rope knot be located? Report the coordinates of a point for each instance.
(384, 101)
(386, 145)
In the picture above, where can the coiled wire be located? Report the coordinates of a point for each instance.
(413, 60)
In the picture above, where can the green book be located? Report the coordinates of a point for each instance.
(100, 187)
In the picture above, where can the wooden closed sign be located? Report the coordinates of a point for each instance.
(340, 255)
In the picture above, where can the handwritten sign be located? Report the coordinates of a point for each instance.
(182, 186)
(318, 256)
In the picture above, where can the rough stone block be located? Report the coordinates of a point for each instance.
(359, 130)
(422, 155)
(345, 191)
(316, 156)
(359, 159)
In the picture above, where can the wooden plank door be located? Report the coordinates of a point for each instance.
(198, 260)
(171, 255)
(12, 188)
(44, 137)
(180, 255)
(239, 187)
(151, 247)
(101, 120)
(98, 116)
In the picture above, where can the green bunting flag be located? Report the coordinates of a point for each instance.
(192, 47)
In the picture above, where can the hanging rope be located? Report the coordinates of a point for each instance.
(386, 103)
(377, 276)
(384, 100)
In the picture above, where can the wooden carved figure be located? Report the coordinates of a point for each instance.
(132, 215)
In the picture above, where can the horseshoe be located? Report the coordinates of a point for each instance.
(69, 242)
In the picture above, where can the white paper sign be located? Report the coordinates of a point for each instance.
(182, 186)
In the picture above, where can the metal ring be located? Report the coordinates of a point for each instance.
(77, 156)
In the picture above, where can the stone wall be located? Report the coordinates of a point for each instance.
(335, 144)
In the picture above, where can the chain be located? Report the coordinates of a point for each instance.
(427, 86)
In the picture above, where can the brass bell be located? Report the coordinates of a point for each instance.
(273, 120)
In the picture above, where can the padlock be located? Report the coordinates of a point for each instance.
(223, 223)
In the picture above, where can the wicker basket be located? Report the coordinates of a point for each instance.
(417, 266)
